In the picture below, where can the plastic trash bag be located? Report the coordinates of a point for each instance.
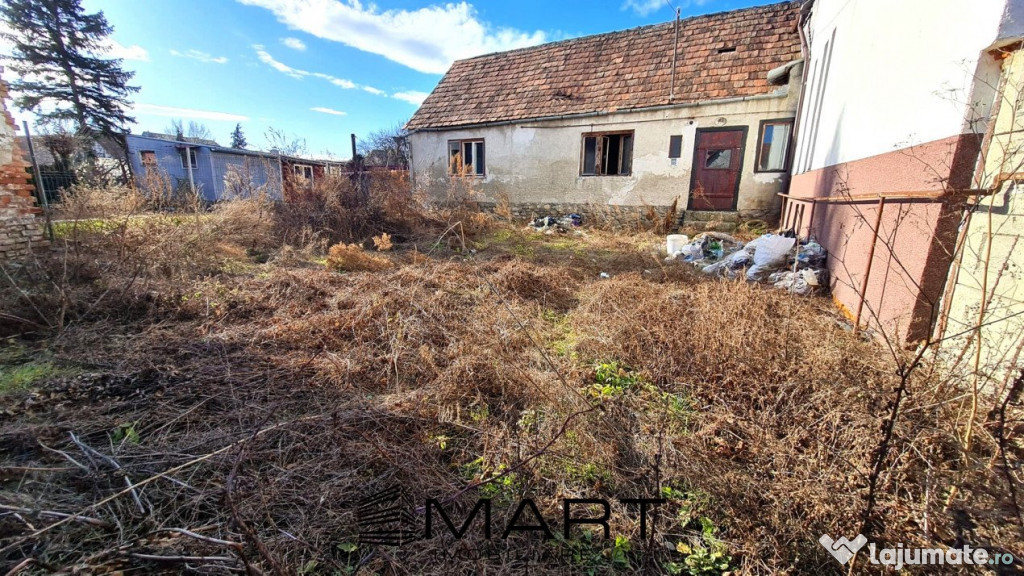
(811, 254)
(692, 251)
(770, 254)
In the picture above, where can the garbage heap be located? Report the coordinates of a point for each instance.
(556, 224)
(771, 258)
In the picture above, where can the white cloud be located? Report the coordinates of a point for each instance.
(115, 49)
(190, 113)
(645, 7)
(294, 43)
(427, 39)
(298, 73)
(200, 56)
(330, 111)
(414, 97)
(269, 60)
(375, 91)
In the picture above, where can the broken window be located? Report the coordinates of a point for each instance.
(191, 158)
(607, 154)
(719, 159)
(466, 158)
(773, 145)
(148, 157)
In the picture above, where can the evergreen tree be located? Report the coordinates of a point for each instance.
(56, 55)
(237, 138)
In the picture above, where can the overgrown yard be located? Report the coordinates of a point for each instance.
(221, 394)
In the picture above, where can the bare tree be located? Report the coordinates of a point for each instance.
(386, 147)
(177, 128)
(198, 131)
(194, 131)
(279, 141)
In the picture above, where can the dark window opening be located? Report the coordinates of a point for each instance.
(675, 146)
(303, 172)
(773, 145)
(727, 49)
(148, 157)
(466, 158)
(607, 154)
(191, 158)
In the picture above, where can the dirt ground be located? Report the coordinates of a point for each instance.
(260, 413)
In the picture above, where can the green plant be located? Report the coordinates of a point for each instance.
(612, 379)
(620, 552)
(589, 473)
(690, 502)
(125, 433)
(528, 420)
(480, 471)
(708, 555)
(23, 376)
(703, 560)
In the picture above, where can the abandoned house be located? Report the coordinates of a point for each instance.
(912, 188)
(218, 172)
(698, 111)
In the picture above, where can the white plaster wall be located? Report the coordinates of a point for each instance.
(902, 72)
(539, 162)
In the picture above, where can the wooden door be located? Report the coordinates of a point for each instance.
(717, 164)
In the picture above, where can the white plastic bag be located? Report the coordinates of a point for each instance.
(770, 254)
(772, 249)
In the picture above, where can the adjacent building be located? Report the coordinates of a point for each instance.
(217, 172)
(897, 108)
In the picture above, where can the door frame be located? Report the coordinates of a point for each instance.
(739, 175)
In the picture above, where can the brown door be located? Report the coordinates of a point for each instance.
(717, 163)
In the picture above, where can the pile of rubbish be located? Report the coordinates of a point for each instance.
(772, 258)
(561, 224)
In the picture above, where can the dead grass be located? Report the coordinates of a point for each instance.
(352, 258)
(273, 394)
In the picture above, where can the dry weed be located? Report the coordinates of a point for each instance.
(261, 402)
(383, 242)
(352, 258)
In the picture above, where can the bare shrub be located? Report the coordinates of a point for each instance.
(352, 258)
(383, 242)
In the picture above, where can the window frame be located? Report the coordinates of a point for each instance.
(460, 172)
(599, 153)
(304, 167)
(142, 158)
(192, 155)
(787, 159)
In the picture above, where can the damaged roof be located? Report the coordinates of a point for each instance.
(719, 56)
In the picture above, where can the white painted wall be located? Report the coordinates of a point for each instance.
(868, 106)
(539, 162)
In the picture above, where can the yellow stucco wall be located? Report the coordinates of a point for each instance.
(992, 260)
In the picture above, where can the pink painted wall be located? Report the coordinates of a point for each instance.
(916, 237)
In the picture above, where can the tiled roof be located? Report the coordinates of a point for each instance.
(619, 70)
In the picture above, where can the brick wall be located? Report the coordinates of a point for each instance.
(20, 228)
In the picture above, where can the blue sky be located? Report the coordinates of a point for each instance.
(322, 69)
